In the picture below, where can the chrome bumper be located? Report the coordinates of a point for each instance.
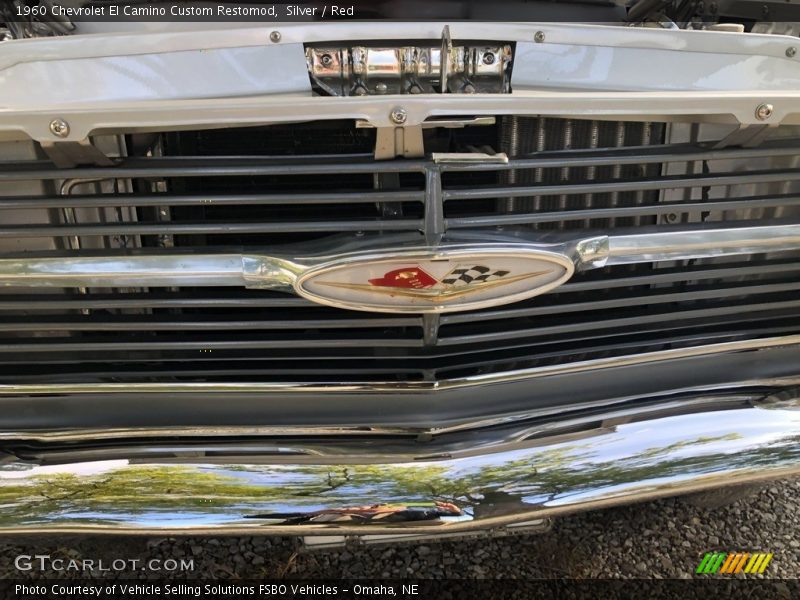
(496, 478)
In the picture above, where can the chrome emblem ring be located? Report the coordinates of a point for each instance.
(426, 281)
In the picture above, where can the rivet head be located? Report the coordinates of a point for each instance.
(398, 116)
(59, 128)
(791, 51)
(275, 37)
(764, 111)
(538, 37)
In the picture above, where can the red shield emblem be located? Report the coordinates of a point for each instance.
(406, 277)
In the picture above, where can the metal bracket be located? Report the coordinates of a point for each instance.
(391, 142)
(499, 158)
(445, 123)
(745, 136)
(66, 155)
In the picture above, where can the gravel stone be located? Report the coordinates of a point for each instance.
(662, 539)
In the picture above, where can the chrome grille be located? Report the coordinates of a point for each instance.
(222, 189)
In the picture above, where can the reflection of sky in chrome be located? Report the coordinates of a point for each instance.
(639, 437)
(188, 518)
(629, 446)
(88, 468)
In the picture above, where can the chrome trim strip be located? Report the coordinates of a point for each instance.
(619, 461)
(400, 387)
(145, 271)
(118, 433)
(701, 243)
(257, 270)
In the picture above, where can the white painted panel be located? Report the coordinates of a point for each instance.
(213, 73)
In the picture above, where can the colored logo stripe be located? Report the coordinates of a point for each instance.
(738, 564)
(735, 562)
(758, 563)
(731, 559)
(711, 562)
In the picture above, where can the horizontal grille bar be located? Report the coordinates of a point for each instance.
(215, 228)
(149, 300)
(131, 323)
(361, 197)
(661, 183)
(650, 299)
(612, 347)
(630, 155)
(207, 344)
(663, 208)
(705, 313)
(205, 167)
(688, 273)
(221, 166)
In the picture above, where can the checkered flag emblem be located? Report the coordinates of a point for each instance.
(475, 274)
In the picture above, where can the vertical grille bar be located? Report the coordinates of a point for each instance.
(566, 144)
(647, 131)
(591, 172)
(541, 142)
(510, 142)
(619, 141)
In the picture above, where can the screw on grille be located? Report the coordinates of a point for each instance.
(791, 51)
(326, 60)
(59, 127)
(275, 37)
(488, 58)
(398, 116)
(538, 37)
(764, 112)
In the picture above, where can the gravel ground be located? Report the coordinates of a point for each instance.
(663, 539)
